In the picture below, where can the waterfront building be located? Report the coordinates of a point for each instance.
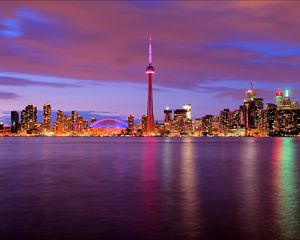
(1, 126)
(14, 122)
(59, 124)
(131, 123)
(279, 99)
(271, 113)
(47, 117)
(224, 119)
(250, 93)
(29, 118)
(235, 119)
(93, 120)
(168, 119)
(287, 122)
(188, 108)
(144, 123)
(74, 122)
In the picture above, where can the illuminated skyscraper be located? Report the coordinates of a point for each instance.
(279, 98)
(286, 102)
(131, 122)
(47, 117)
(250, 93)
(29, 118)
(93, 120)
(14, 122)
(188, 108)
(271, 113)
(224, 120)
(74, 122)
(59, 124)
(168, 115)
(150, 71)
(144, 123)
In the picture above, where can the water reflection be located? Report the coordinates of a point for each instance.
(190, 202)
(289, 205)
(249, 198)
(149, 198)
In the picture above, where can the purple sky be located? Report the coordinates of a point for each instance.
(91, 56)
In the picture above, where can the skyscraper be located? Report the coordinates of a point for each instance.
(131, 122)
(250, 93)
(47, 117)
(29, 118)
(168, 115)
(279, 98)
(14, 122)
(59, 124)
(150, 71)
(188, 108)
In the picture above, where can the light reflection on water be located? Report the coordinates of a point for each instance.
(149, 188)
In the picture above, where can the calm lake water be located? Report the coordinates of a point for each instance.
(149, 188)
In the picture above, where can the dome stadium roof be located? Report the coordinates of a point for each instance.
(109, 123)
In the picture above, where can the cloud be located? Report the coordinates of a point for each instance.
(19, 82)
(8, 95)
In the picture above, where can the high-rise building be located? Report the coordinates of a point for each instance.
(235, 119)
(74, 122)
(47, 117)
(287, 122)
(271, 113)
(14, 122)
(250, 93)
(59, 124)
(188, 108)
(286, 102)
(224, 120)
(168, 115)
(93, 120)
(131, 122)
(29, 118)
(279, 98)
(251, 112)
(144, 123)
(150, 71)
(1, 126)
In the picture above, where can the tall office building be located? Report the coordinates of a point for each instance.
(168, 115)
(188, 108)
(59, 123)
(279, 98)
(271, 113)
(235, 119)
(29, 118)
(93, 120)
(47, 117)
(144, 123)
(250, 93)
(131, 122)
(74, 122)
(286, 102)
(224, 119)
(14, 122)
(150, 71)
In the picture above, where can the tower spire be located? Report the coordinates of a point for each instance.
(150, 51)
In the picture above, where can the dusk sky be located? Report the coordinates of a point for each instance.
(92, 56)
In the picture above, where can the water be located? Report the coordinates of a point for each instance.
(149, 188)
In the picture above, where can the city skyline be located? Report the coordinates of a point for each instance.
(98, 68)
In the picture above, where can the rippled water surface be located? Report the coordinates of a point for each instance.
(149, 188)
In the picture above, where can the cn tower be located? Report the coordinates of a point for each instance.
(150, 72)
